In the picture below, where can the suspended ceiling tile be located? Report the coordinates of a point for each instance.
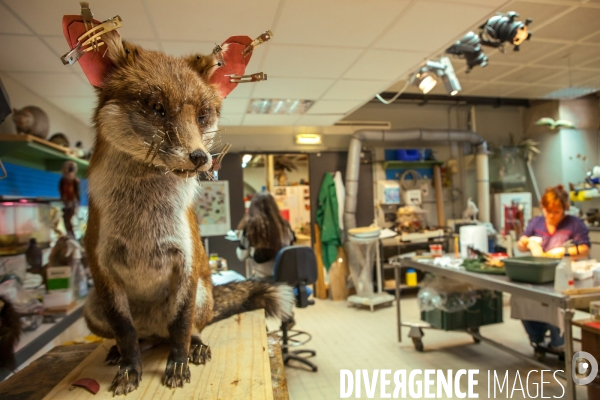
(311, 21)
(573, 26)
(179, 48)
(27, 53)
(270, 120)
(385, 64)
(231, 119)
(346, 89)
(146, 44)
(59, 46)
(488, 3)
(211, 21)
(572, 77)
(538, 12)
(495, 89)
(319, 120)
(487, 73)
(333, 106)
(573, 56)
(244, 90)
(234, 106)
(533, 92)
(10, 24)
(594, 64)
(593, 39)
(45, 17)
(60, 84)
(308, 62)
(529, 74)
(530, 51)
(291, 88)
(428, 26)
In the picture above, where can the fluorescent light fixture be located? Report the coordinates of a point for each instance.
(308, 138)
(571, 93)
(279, 106)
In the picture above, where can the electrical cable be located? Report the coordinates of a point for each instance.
(390, 101)
(416, 177)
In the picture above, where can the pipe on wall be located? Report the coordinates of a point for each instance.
(412, 136)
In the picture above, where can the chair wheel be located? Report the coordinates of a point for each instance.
(418, 343)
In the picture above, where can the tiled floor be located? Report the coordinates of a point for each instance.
(350, 338)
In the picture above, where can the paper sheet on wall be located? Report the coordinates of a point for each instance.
(212, 208)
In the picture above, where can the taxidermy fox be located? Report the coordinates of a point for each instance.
(151, 272)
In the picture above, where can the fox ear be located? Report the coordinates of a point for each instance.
(120, 52)
(204, 65)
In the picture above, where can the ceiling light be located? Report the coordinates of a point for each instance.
(308, 138)
(469, 48)
(426, 77)
(246, 159)
(279, 106)
(503, 28)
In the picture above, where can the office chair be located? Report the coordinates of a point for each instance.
(297, 267)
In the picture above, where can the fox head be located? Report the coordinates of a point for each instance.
(158, 109)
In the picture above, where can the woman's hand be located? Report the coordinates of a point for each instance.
(523, 243)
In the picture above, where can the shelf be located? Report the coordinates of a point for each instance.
(410, 164)
(33, 152)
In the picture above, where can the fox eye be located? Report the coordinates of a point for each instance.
(156, 106)
(203, 115)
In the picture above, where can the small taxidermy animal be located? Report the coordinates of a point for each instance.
(156, 120)
(31, 120)
(559, 123)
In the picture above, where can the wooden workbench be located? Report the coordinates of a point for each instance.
(246, 364)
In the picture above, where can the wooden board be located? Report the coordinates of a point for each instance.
(239, 368)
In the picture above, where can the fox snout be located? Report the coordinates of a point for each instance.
(199, 158)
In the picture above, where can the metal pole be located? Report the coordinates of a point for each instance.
(397, 283)
(568, 317)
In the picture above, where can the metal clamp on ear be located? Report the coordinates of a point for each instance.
(94, 34)
(157, 140)
(259, 76)
(257, 42)
(218, 53)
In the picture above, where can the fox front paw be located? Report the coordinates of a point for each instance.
(176, 373)
(200, 353)
(114, 356)
(126, 380)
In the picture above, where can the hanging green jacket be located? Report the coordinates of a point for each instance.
(327, 219)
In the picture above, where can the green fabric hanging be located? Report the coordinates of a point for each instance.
(327, 219)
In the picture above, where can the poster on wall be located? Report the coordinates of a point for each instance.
(212, 208)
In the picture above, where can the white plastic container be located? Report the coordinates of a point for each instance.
(563, 276)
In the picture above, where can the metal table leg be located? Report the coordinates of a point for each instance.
(570, 389)
(398, 315)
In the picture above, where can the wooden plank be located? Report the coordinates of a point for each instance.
(239, 368)
(278, 379)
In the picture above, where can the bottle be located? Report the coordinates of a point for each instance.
(80, 287)
(563, 276)
(411, 277)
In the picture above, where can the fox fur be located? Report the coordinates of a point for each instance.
(151, 273)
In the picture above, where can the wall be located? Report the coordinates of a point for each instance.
(60, 121)
(566, 154)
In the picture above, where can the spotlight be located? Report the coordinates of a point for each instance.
(426, 77)
(246, 159)
(503, 28)
(469, 47)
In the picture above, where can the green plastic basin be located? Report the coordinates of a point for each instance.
(531, 269)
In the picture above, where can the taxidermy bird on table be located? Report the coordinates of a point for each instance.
(559, 123)
(157, 131)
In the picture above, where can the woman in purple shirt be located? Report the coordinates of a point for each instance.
(545, 236)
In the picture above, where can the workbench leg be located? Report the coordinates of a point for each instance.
(570, 389)
(398, 316)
